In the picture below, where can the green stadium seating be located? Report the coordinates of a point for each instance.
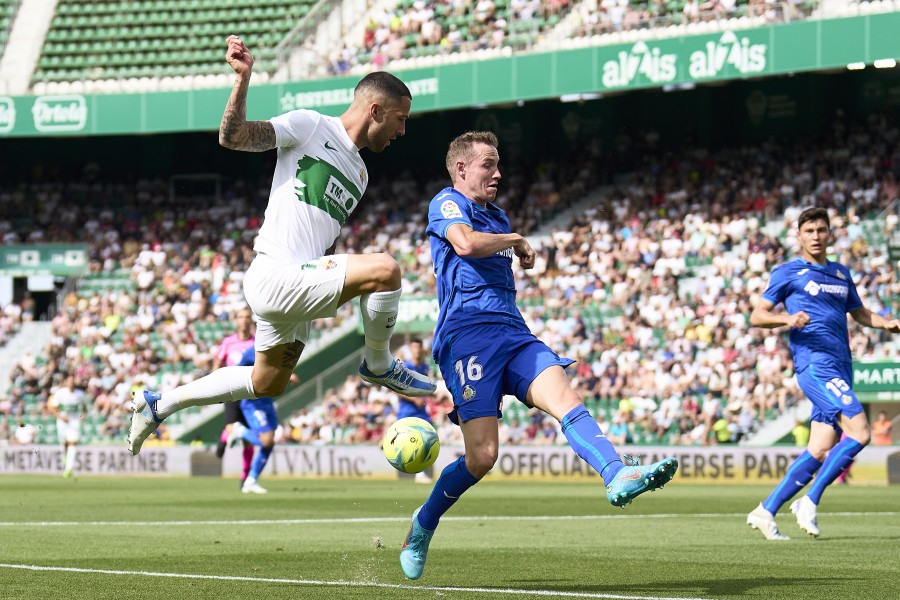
(8, 11)
(121, 39)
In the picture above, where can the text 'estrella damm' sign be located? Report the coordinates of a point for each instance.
(59, 113)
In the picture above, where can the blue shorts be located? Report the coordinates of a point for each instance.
(828, 387)
(260, 414)
(482, 364)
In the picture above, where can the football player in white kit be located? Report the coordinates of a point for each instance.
(69, 405)
(319, 180)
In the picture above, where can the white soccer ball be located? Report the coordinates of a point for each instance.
(411, 445)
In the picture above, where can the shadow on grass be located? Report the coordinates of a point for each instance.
(775, 587)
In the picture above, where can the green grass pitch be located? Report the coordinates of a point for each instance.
(131, 538)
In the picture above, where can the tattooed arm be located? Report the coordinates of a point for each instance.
(235, 132)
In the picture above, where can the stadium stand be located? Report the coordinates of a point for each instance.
(122, 39)
(101, 45)
(648, 283)
(8, 10)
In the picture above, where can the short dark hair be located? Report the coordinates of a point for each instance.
(813, 214)
(416, 341)
(384, 84)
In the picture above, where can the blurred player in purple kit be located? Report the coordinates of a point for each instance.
(230, 352)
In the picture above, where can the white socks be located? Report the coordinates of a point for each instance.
(379, 315)
(228, 384)
(70, 457)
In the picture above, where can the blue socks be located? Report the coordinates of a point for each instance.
(838, 459)
(259, 461)
(798, 475)
(584, 436)
(589, 443)
(454, 480)
(262, 455)
(252, 437)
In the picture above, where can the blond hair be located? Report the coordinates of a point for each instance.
(461, 148)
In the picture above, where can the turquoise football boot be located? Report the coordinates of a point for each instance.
(634, 480)
(415, 548)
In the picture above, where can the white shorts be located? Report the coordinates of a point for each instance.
(69, 432)
(285, 297)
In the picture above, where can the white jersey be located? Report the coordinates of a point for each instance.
(70, 404)
(318, 182)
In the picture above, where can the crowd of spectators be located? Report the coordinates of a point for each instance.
(598, 17)
(426, 27)
(649, 289)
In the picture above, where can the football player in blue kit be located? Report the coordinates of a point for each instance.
(484, 348)
(817, 295)
(262, 421)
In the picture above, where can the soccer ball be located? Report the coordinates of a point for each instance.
(411, 445)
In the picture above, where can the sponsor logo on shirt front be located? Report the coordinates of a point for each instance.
(812, 288)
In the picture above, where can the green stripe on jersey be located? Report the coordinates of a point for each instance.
(322, 185)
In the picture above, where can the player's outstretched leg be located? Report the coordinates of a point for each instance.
(764, 521)
(805, 511)
(400, 379)
(415, 548)
(144, 419)
(631, 482)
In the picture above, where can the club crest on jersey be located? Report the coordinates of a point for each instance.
(468, 392)
(450, 210)
(840, 275)
(847, 400)
(362, 176)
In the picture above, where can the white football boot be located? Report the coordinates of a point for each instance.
(805, 511)
(763, 520)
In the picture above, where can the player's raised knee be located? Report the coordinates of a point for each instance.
(385, 270)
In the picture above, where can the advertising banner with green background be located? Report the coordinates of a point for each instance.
(48, 259)
(722, 56)
(876, 381)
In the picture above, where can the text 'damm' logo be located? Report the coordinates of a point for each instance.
(59, 113)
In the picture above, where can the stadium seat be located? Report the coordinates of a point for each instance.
(118, 40)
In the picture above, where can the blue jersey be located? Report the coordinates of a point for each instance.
(470, 291)
(826, 294)
(408, 408)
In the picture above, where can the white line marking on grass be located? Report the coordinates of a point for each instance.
(406, 519)
(314, 582)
